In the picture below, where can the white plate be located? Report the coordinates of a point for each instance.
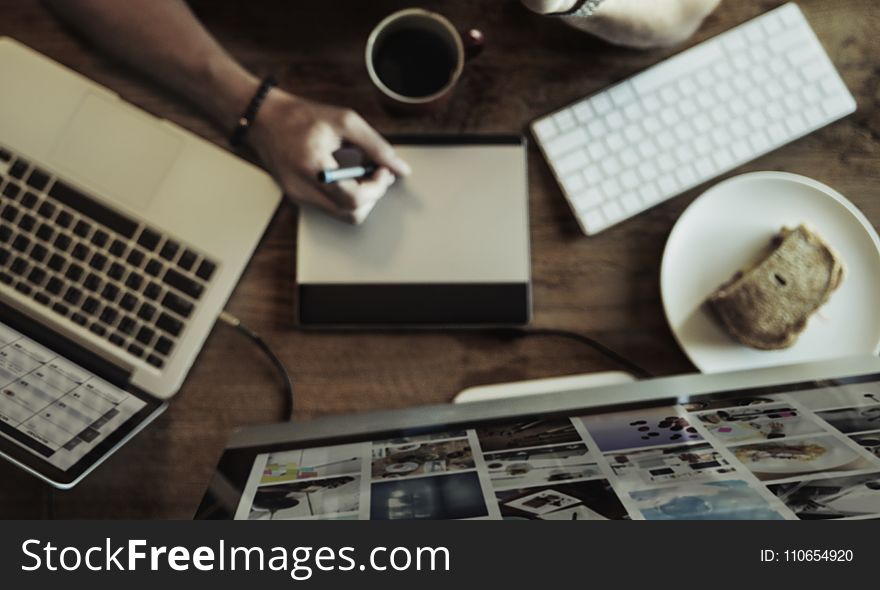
(727, 227)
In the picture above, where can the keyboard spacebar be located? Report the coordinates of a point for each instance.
(91, 208)
(677, 66)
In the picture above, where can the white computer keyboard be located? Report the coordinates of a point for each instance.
(692, 117)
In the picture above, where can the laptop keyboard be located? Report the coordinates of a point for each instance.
(126, 282)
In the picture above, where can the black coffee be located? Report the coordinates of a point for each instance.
(414, 63)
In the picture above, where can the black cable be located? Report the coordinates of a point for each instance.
(597, 346)
(234, 322)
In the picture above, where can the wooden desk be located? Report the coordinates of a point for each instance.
(606, 286)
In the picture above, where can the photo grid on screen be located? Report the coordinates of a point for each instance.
(799, 455)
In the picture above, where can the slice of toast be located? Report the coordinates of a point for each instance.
(768, 305)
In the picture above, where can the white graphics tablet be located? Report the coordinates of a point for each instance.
(447, 245)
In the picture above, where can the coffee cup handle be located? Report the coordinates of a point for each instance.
(474, 41)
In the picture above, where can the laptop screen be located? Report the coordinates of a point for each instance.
(812, 453)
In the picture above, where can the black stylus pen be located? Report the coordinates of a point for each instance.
(349, 173)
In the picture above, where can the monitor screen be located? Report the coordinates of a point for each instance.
(809, 453)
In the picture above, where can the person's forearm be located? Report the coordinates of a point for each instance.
(164, 39)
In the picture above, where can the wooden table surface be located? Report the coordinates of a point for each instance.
(605, 286)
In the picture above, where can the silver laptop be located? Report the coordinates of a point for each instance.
(795, 442)
(121, 239)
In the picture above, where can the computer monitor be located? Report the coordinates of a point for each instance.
(799, 442)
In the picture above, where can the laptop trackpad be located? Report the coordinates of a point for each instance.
(117, 149)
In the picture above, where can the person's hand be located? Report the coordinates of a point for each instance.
(296, 139)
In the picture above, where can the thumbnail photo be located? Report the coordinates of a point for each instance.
(583, 500)
(717, 500)
(313, 463)
(422, 459)
(649, 427)
(840, 497)
(719, 403)
(853, 419)
(420, 438)
(788, 458)
(757, 423)
(869, 440)
(528, 433)
(842, 396)
(306, 498)
(528, 467)
(439, 497)
(646, 468)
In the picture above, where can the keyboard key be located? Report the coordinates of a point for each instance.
(5, 155)
(29, 200)
(149, 239)
(63, 242)
(27, 222)
(82, 228)
(18, 169)
(116, 271)
(545, 129)
(134, 281)
(73, 295)
(21, 243)
(39, 253)
(56, 262)
(46, 209)
(80, 251)
(155, 361)
(146, 312)
(152, 290)
(110, 292)
(136, 350)
(55, 286)
(109, 316)
(117, 339)
(45, 232)
(38, 179)
(187, 260)
(98, 329)
(23, 288)
(79, 319)
(127, 325)
(64, 219)
(153, 268)
(164, 345)
(4, 256)
(6, 278)
(117, 248)
(169, 324)
(5, 233)
(93, 209)
(183, 283)
(566, 142)
(135, 258)
(98, 261)
(177, 304)
(37, 276)
(60, 308)
(74, 272)
(93, 282)
(19, 266)
(128, 302)
(145, 335)
(11, 190)
(100, 238)
(90, 305)
(42, 299)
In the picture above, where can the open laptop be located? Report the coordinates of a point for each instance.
(121, 239)
(797, 442)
